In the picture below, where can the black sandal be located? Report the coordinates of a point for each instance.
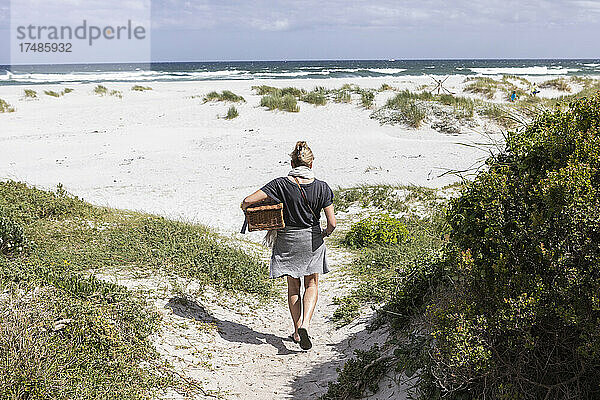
(305, 343)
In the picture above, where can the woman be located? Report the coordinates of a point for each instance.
(299, 249)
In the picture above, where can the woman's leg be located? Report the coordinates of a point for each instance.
(311, 294)
(294, 303)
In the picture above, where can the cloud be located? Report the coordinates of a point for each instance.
(282, 15)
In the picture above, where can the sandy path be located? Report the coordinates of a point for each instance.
(237, 351)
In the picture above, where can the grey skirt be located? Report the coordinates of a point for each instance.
(298, 252)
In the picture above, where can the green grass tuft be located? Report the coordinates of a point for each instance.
(138, 88)
(316, 97)
(232, 113)
(30, 94)
(5, 107)
(225, 95)
(51, 93)
(100, 90)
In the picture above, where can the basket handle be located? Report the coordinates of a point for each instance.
(244, 226)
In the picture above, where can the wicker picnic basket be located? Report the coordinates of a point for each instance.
(265, 216)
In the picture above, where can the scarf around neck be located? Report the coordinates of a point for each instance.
(302, 172)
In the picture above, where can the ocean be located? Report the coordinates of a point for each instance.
(249, 70)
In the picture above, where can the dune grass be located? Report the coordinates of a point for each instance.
(232, 113)
(408, 111)
(64, 333)
(100, 90)
(316, 97)
(483, 86)
(342, 96)
(116, 93)
(5, 107)
(560, 84)
(30, 94)
(139, 88)
(51, 92)
(225, 95)
(367, 97)
(277, 102)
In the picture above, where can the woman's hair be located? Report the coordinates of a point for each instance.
(302, 155)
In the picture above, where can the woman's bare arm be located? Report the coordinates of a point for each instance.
(255, 197)
(331, 221)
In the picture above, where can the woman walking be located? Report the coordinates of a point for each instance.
(299, 249)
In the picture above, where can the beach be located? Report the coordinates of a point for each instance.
(166, 151)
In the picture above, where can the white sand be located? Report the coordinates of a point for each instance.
(163, 152)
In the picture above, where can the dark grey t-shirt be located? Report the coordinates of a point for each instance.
(295, 211)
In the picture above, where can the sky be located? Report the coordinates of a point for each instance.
(203, 30)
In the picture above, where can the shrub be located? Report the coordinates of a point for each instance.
(378, 230)
(51, 93)
(138, 88)
(517, 313)
(316, 98)
(66, 91)
(101, 90)
(12, 238)
(232, 113)
(384, 87)
(116, 93)
(366, 98)
(30, 94)
(5, 107)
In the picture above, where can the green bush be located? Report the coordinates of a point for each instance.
(12, 238)
(378, 230)
(516, 315)
(51, 93)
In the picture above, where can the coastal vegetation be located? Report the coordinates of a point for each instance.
(51, 93)
(232, 113)
(100, 90)
(276, 101)
(139, 88)
(560, 84)
(5, 107)
(30, 94)
(66, 334)
(501, 299)
(225, 95)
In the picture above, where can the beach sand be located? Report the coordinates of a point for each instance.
(164, 152)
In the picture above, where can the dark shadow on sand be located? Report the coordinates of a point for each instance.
(230, 331)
